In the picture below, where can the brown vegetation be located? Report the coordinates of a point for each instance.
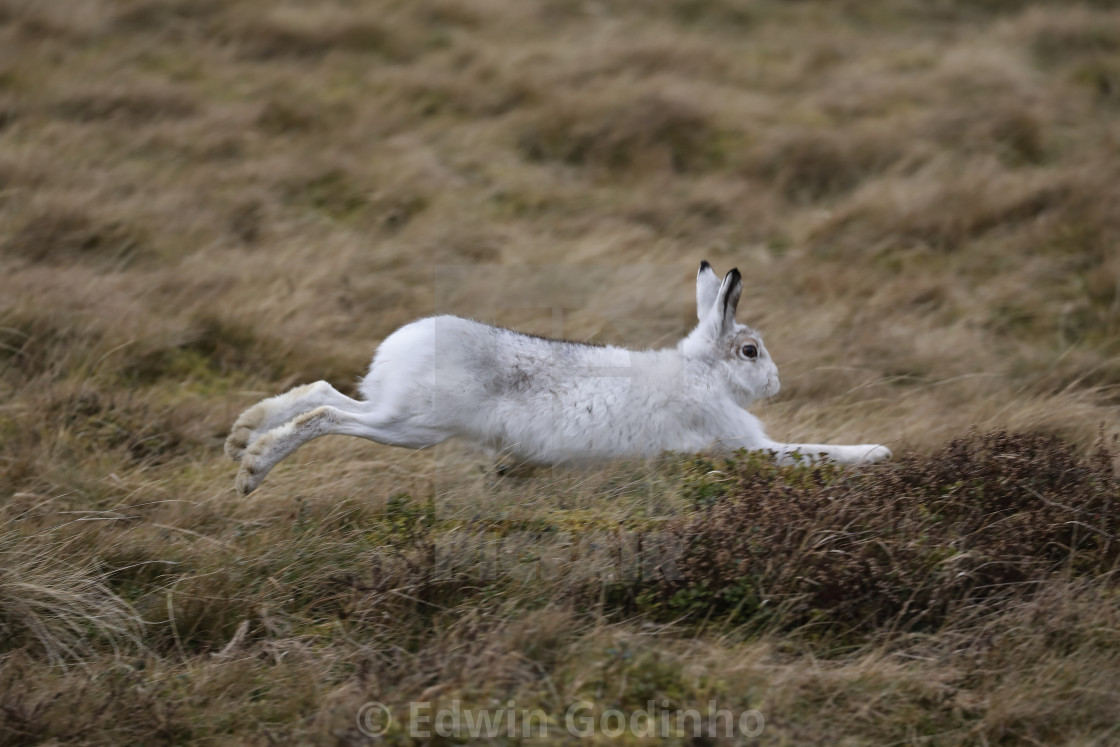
(205, 202)
(918, 545)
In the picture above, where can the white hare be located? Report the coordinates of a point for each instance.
(542, 401)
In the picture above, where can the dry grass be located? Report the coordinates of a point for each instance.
(203, 202)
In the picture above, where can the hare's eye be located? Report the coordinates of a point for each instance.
(749, 351)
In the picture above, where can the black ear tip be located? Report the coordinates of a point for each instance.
(704, 265)
(734, 274)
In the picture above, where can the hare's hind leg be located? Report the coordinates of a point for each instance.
(275, 411)
(278, 443)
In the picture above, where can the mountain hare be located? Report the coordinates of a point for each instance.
(542, 401)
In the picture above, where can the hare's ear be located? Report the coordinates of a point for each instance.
(727, 300)
(707, 288)
(718, 319)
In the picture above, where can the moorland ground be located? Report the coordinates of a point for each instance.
(205, 202)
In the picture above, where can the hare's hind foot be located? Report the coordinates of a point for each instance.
(252, 424)
(241, 435)
(276, 411)
(266, 451)
(261, 418)
(249, 477)
(269, 448)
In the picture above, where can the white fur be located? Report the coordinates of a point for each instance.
(541, 401)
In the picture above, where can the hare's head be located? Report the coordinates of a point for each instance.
(734, 350)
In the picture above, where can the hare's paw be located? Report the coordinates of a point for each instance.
(245, 430)
(256, 462)
(271, 413)
(875, 453)
(250, 475)
(246, 481)
(239, 439)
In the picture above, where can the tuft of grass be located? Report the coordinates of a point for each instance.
(645, 133)
(128, 107)
(57, 609)
(309, 36)
(814, 165)
(1079, 35)
(337, 194)
(63, 235)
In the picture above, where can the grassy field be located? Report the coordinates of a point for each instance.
(205, 202)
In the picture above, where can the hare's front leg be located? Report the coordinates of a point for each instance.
(841, 454)
(275, 411)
